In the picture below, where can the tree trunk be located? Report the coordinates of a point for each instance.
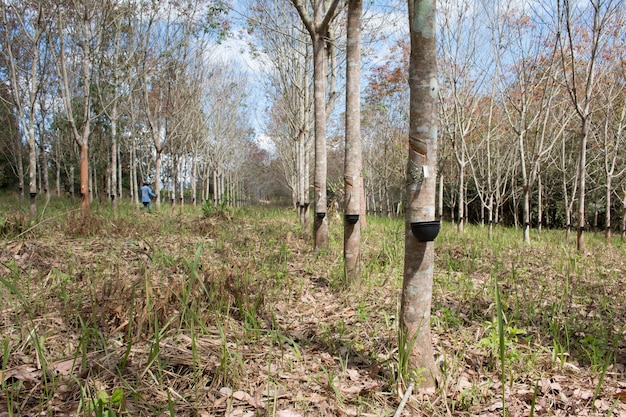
(624, 213)
(44, 168)
(582, 174)
(526, 213)
(57, 184)
(84, 178)
(525, 181)
(20, 166)
(302, 199)
(157, 177)
(352, 176)
(421, 186)
(539, 203)
(440, 202)
(607, 216)
(490, 216)
(461, 203)
(307, 185)
(32, 172)
(120, 192)
(215, 189)
(363, 216)
(113, 189)
(72, 180)
(133, 170)
(320, 223)
(93, 183)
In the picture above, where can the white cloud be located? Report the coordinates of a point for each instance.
(266, 143)
(237, 50)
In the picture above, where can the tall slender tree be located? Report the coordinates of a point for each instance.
(352, 174)
(79, 34)
(318, 27)
(23, 44)
(421, 183)
(287, 47)
(582, 40)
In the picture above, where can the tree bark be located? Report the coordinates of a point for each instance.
(421, 186)
(84, 178)
(352, 176)
(320, 223)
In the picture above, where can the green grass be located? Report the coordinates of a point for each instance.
(229, 309)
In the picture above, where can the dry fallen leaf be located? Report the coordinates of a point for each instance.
(463, 383)
(226, 392)
(602, 405)
(22, 373)
(65, 367)
(244, 396)
(621, 396)
(496, 406)
(237, 412)
(353, 374)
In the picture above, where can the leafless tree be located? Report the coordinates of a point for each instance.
(581, 30)
(286, 47)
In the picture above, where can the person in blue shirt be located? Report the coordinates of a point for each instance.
(147, 195)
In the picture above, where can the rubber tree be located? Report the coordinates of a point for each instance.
(288, 52)
(318, 27)
(586, 40)
(79, 35)
(23, 42)
(528, 91)
(353, 158)
(420, 187)
(612, 141)
(460, 109)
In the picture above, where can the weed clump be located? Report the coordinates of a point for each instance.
(83, 224)
(14, 225)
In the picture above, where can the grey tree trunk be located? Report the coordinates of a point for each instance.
(581, 86)
(421, 186)
(32, 172)
(353, 158)
(582, 174)
(120, 192)
(320, 223)
(539, 203)
(72, 182)
(623, 212)
(113, 178)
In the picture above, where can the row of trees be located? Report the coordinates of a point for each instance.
(532, 113)
(125, 92)
(293, 131)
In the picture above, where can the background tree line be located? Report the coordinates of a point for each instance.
(532, 111)
(98, 97)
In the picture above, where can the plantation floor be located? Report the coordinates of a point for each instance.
(176, 313)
